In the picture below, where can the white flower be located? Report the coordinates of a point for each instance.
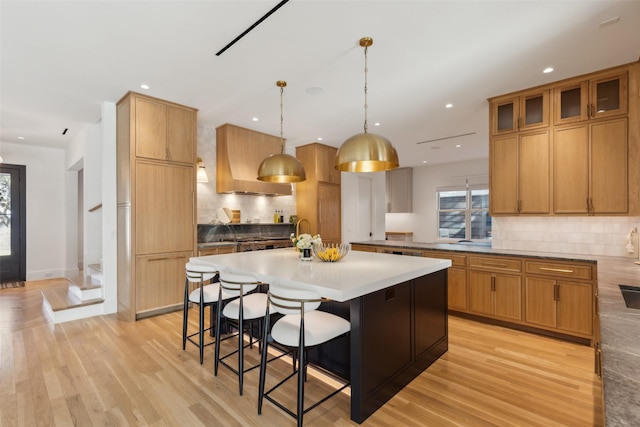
(304, 241)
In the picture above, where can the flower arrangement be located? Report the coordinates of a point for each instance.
(305, 241)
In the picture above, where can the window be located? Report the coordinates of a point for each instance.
(464, 214)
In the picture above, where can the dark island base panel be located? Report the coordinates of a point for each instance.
(396, 333)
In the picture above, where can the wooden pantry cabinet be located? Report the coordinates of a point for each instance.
(577, 163)
(156, 146)
(318, 198)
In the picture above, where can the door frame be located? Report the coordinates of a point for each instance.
(18, 222)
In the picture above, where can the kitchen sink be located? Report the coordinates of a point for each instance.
(631, 295)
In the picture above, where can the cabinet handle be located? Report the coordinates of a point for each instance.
(557, 270)
(166, 258)
(493, 283)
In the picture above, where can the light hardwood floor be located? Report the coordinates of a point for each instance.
(101, 371)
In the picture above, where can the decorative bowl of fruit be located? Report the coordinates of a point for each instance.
(331, 252)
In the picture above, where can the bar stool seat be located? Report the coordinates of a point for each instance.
(302, 327)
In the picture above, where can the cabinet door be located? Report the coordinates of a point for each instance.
(504, 175)
(608, 95)
(164, 211)
(504, 115)
(534, 110)
(540, 302)
(571, 102)
(480, 292)
(533, 173)
(609, 157)
(457, 284)
(151, 129)
(181, 125)
(325, 160)
(507, 296)
(160, 280)
(571, 170)
(399, 183)
(575, 307)
(329, 226)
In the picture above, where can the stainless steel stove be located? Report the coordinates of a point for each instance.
(256, 243)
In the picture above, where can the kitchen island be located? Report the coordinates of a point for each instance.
(397, 307)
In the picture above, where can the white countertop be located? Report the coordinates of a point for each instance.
(359, 273)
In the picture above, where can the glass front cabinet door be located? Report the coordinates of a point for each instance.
(602, 96)
(527, 111)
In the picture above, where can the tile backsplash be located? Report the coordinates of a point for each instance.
(608, 236)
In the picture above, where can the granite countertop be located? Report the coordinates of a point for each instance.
(619, 325)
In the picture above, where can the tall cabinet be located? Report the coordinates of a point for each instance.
(318, 198)
(156, 146)
(567, 147)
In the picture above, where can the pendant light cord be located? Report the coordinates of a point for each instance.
(281, 121)
(365, 88)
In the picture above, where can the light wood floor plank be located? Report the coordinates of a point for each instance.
(102, 371)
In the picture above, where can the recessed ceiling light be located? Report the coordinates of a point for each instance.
(144, 86)
(319, 138)
(424, 161)
(376, 124)
(548, 70)
(449, 105)
(255, 119)
(458, 145)
(21, 137)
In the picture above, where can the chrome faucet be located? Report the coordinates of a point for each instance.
(300, 222)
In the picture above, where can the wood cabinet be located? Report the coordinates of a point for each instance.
(560, 296)
(602, 95)
(590, 168)
(590, 131)
(156, 145)
(399, 190)
(219, 250)
(555, 297)
(318, 198)
(456, 278)
(519, 112)
(162, 130)
(519, 173)
(495, 287)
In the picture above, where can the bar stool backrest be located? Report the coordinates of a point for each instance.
(200, 273)
(293, 301)
(236, 284)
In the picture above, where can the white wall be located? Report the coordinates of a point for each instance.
(46, 206)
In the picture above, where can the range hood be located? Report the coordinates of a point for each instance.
(239, 152)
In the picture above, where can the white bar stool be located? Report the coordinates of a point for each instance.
(300, 314)
(200, 289)
(248, 307)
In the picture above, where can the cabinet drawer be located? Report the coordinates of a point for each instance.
(496, 264)
(560, 269)
(456, 260)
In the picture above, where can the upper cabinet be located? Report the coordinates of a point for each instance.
(164, 132)
(602, 95)
(514, 113)
(567, 148)
(399, 184)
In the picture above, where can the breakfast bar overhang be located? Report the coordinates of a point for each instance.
(397, 307)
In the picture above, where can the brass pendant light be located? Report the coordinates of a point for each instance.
(366, 152)
(281, 168)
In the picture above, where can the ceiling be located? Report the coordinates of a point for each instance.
(60, 60)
